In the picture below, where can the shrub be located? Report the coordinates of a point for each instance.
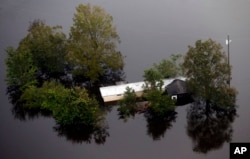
(81, 110)
(127, 106)
(160, 104)
(68, 106)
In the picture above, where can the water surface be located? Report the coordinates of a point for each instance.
(149, 31)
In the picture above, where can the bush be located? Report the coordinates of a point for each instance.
(160, 104)
(20, 69)
(31, 98)
(127, 106)
(81, 110)
(68, 106)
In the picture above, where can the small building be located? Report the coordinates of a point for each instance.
(178, 90)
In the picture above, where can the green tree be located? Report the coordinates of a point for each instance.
(160, 104)
(92, 43)
(153, 79)
(69, 106)
(170, 68)
(47, 47)
(207, 73)
(127, 106)
(20, 68)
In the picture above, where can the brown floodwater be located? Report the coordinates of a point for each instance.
(149, 31)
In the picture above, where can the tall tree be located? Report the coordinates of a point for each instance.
(47, 47)
(39, 56)
(207, 71)
(92, 43)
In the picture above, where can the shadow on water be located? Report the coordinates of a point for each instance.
(209, 131)
(157, 127)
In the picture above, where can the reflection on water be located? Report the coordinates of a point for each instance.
(75, 134)
(83, 134)
(208, 131)
(23, 114)
(20, 112)
(156, 127)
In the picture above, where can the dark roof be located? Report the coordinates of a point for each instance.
(176, 87)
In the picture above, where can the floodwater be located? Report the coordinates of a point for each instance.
(149, 31)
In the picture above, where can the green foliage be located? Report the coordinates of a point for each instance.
(208, 72)
(170, 68)
(224, 97)
(153, 79)
(47, 47)
(160, 104)
(32, 98)
(127, 105)
(20, 68)
(82, 110)
(45, 54)
(68, 106)
(92, 43)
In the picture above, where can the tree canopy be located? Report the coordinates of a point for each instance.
(45, 59)
(39, 56)
(47, 47)
(92, 43)
(208, 72)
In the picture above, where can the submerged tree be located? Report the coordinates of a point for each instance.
(47, 47)
(207, 73)
(38, 57)
(44, 60)
(92, 44)
(69, 106)
(127, 106)
(160, 104)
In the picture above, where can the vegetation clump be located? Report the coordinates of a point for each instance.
(160, 104)
(68, 105)
(46, 67)
(127, 106)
